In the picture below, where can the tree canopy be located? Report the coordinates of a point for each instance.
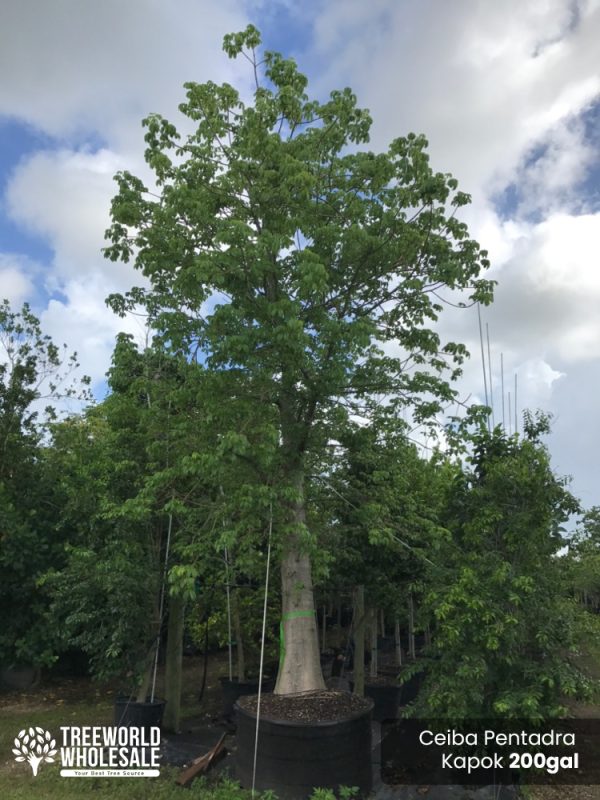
(280, 251)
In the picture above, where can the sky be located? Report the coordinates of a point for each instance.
(507, 93)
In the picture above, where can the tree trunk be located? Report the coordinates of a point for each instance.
(173, 665)
(411, 627)
(144, 687)
(373, 630)
(300, 662)
(428, 635)
(397, 642)
(151, 656)
(359, 641)
(324, 638)
(382, 619)
(239, 637)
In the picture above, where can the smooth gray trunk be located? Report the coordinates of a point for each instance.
(300, 662)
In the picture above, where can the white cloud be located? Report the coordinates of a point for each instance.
(15, 283)
(549, 291)
(87, 326)
(64, 196)
(100, 67)
(550, 182)
(482, 80)
(92, 71)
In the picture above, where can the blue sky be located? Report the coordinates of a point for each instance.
(507, 93)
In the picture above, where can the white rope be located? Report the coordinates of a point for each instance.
(262, 648)
(345, 499)
(162, 603)
(229, 648)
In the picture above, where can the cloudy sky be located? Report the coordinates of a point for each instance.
(507, 92)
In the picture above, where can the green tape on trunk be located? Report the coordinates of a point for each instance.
(289, 615)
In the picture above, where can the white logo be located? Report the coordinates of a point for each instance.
(35, 746)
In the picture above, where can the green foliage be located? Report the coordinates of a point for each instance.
(506, 631)
(385, 527)
(250, 603)
(346, 793)
(280, 253)
(105, 599)
(285, 257)
(584, 560)
(32, 370)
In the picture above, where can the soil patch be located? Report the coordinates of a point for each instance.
(313, 707)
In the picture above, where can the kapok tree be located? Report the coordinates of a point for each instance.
(276, 249)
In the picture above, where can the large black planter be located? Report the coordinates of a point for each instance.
(386, 699)
(19, 676)
(129, 713)
(232, 689)
(296, 757)
(408, 690)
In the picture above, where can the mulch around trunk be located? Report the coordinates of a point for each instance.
(314, 707)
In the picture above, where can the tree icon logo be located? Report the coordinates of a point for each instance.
(34, 745)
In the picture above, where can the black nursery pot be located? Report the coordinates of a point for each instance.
(385, 644)
(232, 689)
(129, 713)
(295, 757)
(410, 689)
(386, 699)
(19, 676)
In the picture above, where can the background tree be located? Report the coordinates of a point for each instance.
(506, 630)
(584, 560)
(33, 370)
(106, 598)
(387, 504)
(276, 253)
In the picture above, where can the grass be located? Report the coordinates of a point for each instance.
(17, 781)
(81, 702)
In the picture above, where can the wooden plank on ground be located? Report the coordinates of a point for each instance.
(202, 764)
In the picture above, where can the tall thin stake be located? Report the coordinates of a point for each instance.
(516, 423)
(162, 605)
(487, 333)
(509, 415)
(228, 616)
(483, 359)
(262, 648)
(502, 385)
